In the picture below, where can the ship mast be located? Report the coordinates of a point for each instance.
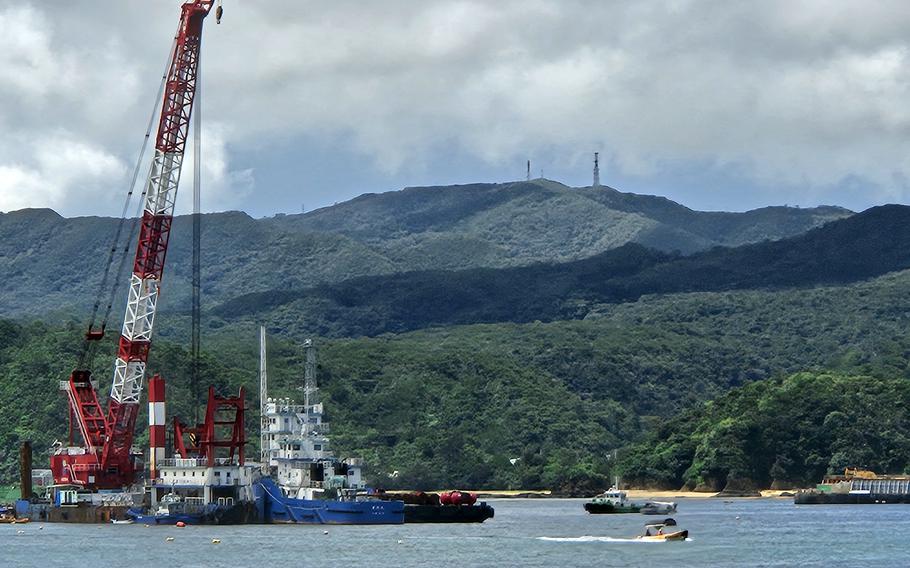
(263, 398)
(309, 382)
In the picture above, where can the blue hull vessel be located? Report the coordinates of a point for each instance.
(277, 508)
(170, 519)
(237, 514)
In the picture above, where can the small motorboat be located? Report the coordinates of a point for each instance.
(658, 508)
(655, 532)
(122, 521)
(678, 535)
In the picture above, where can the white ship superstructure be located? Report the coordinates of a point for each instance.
(297, 449)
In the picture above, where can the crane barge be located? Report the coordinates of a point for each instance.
(104, 478)
(105, 460)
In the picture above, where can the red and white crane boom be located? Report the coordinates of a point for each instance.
(106, 460)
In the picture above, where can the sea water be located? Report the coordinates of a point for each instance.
(525, 532)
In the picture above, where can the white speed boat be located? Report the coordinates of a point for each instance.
(658, 508)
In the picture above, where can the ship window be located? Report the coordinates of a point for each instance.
(317, 447)
(194, 474)
(296, 446)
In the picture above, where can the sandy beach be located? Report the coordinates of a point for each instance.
(639, 494)
(670, 495)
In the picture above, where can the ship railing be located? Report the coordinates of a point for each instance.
(309, 460)
(193, 462)
(181, 462)
(86, 467)
(883, 486)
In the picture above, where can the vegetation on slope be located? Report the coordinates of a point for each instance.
(422, 418)
(867, 244)
(545, 220)
(50, 263)
(780, 433)
(440, 406)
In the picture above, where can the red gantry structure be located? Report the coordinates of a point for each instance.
(106, 460)
(223, 429)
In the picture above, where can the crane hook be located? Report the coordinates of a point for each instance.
(218, 13)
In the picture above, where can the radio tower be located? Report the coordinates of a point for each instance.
(528, 175)
(596, 170)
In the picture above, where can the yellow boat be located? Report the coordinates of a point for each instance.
(660, 535)
(678, 535)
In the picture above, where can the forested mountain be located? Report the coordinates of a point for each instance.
(450, 406)
(49, 263)
(461, 328)
(780, 433)
(518, 223)
(865, 245)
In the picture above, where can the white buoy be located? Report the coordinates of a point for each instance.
(325, 532)
(400, 541)
(20, 532)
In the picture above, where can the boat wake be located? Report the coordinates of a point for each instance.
(592, 539)
(599, 539)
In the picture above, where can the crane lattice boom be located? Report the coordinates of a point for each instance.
(107, 461)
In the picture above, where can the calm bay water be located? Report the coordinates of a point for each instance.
(767, 532)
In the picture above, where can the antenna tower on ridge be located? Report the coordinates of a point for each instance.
(528, 175)
(596, 169)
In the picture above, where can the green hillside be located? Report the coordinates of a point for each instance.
(520, 222)
(780, 433)
(868, 244)
(49, 263)
(451, 406)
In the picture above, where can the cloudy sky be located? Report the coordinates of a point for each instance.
(716, 104)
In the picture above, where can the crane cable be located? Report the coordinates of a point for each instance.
(87, 353)
(197, 236)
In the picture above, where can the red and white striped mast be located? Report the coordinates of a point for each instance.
(107, 462)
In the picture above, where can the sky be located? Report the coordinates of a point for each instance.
(719, 105)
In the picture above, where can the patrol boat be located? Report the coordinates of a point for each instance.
(303, 482)
(612, 501)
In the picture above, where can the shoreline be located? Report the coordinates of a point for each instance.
(639, 494)
(657, 494)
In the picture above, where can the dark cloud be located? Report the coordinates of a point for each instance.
(809, 96)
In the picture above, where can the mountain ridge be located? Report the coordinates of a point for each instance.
(50, 263)
(865, 245)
